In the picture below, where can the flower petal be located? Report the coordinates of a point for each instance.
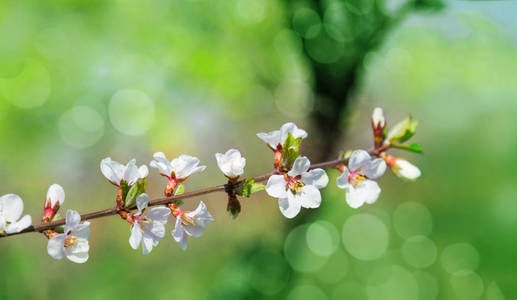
(82, 231)
(72, 219)
(273, 138)
(142, 201)
(309, 197)
(186, 165)
(79, 252)
(316, 177)
(14, 227)
(78, 257)
(375, 168)
(159, 214)
(300, 166)
(112, 170)
(143, 171)
(55, 246)
(136, 236)
(292, 129)
(179, 234)
(56, 194)
(276, 186)
(131, 174)
(342, 180)
(201, 215)
(12, 207)
(147, 244)
(157, 229)
(366, 192)
(358, 159)
(161, 163)
(289, 206)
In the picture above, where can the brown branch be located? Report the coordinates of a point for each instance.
(165, 200)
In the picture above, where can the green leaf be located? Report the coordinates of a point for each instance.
(403, 130)
(414, 147)
(179, 190)
(134, 192)
(247, 187)
(125, 189)
(290, 150)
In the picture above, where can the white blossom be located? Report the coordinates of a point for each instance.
(73, 243)
(276, 138)
(149, 225)
(298, 188)
(179, 168)
(11, 209)
(115, 172)
(378, 120)
(55, 195)
(231, 163)
(190, 223)
(356, 179)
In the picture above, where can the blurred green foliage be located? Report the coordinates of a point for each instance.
(82, 80)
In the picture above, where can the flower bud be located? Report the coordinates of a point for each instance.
(402, 168)
(378, 126)
(231, 163)
(55, 197)
(402, 131)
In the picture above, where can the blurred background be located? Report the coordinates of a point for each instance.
(83, 80)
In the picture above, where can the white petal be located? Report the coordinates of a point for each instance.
(82, 231)
(203, 217)
(186, 165)
(147, 244)
(72, 219)
(78, 257)
(14, 227)
(159, 214)
(406, 170)
(358, 159)
(112, 170)
(293, 130)
(157, 229)
(55, 246)
(378, 117)
(11, 206)
(56, 194)
(161, 163)
(273, 138)
(142, 201)
(300, 166)
(179, 234)
(289, 206)
(276, 186)
(136, 236)
(316, 177)
(342, 180)
(143, 171)
(131, 174)
(366, 192)
(309, 197)
(375, 168)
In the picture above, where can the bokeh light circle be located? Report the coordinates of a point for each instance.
(306, 292)
(131, 112)
(428, 287)
(335, 269)
(392, 283)
(322, 238)
(467, 285)
(349, 290)
(298, 254)
(81, 127)
(461, 256)
(365, 237)
(419, 251)
(412, 218)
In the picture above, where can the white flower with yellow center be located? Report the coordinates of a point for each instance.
(298, 188)
(73, 243)
(179, 168)
(11, 209)
(231, 163)
(191, 223)
(356, 179)
(116, 172)
(276, 139)
(148, 225)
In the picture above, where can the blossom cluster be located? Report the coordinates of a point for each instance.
(294, 182)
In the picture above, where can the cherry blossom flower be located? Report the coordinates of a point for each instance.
(177, 170)
(116, 173)
(148, 225)
(191, 223)
(55, 198)
(231, 163)
(276, 139)
(11, 209)
(356, 179)
(298, 188)
(73, 243)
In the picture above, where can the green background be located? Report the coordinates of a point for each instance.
(83, 80)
